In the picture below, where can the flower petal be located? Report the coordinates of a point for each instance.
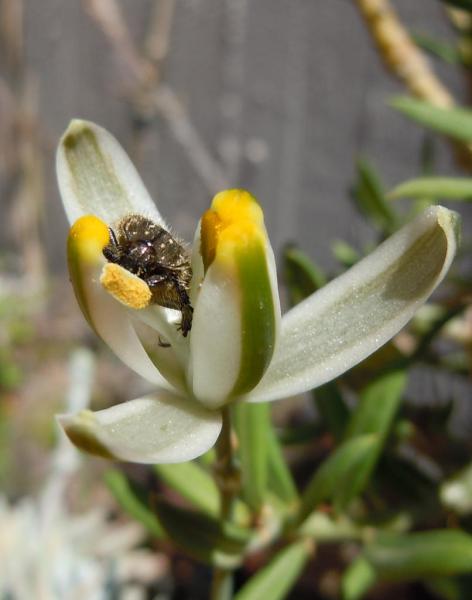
(109, 318)
(96, 176)
(162, 428)
(236, 306)
(162, 353)
(348, 319)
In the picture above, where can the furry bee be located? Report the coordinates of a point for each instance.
(149, 251)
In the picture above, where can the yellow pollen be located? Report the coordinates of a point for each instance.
(125, 287)
(235, 220)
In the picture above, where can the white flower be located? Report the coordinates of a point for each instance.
(239, 348)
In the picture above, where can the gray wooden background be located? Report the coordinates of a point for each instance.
(276, 96)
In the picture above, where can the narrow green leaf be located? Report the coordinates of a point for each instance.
(276, 579)
(454, 122)
(342, 476)
(345, 254)
(280, 478)
(450, 188)
(208, 459)
(252, 423)
(131, 502)
(370, 197)
(193, 483)
(418, 555)
(332, 408)
(204, 537)
(302, 276)
(357, 579)
(374, 414)
(445, 52)
(378, 405)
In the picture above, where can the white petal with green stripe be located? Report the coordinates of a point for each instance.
(163, 428)
(96, 176)
(108, 317)
(236, 308)
(351, 317)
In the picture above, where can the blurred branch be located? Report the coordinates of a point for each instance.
(401, 55)
(157, 39)
(11, 33)
(138, 71)
(28, 201)
(405, 60)
(146, 96)
(171, 109)
(21, 165)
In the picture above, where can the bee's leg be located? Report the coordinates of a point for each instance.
(187, 316)
(112, 250)
(168, 292)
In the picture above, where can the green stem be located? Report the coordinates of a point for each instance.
(222, 585)
(228, 480)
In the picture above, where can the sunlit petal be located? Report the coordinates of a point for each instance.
(348, 319)
(237, 312)
(163, 428)
(96, 176)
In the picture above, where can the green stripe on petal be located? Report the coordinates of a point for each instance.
(352, 316)
(236, 306)
(96, 177)
(162, 428)
(258, 318)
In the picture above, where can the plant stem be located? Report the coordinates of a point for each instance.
(222, 585)
(226, 473)
(228, 480)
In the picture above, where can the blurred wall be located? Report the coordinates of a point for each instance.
(276, 96)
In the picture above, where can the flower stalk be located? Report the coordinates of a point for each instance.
(228, 480)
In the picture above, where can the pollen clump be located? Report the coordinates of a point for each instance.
(125, 287)
(234, 222)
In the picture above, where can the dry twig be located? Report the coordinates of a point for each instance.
(147, 97)
(406, 61)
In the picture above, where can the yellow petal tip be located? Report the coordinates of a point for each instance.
(90, 227)
(235, 220)
(87, 238)
(125, 287)
(236, 206)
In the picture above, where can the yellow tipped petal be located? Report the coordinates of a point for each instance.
(81, 433)
(161, 428)
(87, 237)
(236, 312)
(126, 287)
(234, 221)
(109, 318)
